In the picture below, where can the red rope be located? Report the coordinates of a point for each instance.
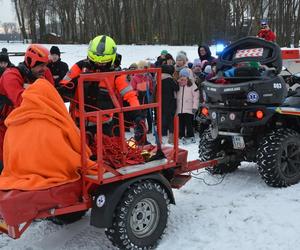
(112, 151)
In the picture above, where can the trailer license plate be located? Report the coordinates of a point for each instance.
(238, 142)
(3, 225)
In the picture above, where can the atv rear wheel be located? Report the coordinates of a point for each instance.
(141, 217)
(212, 148)
(278, 158)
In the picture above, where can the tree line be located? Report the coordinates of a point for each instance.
(174, 22)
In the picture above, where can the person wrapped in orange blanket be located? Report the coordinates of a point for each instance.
(42, 146)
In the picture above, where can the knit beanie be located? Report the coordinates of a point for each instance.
(181, 57)
(184, 73)
(133, 66)
(55, 50)
(164, 52)
(143, 65)
(4, 57)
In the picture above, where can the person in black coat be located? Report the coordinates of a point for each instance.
(4, 61)
(58, 68)
(205, 53)
(169, 89)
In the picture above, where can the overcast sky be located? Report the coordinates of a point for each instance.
(7, 14)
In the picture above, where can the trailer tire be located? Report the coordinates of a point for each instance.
(277, 165)
(210, 149)
(140, 217)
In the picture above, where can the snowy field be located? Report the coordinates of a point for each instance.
(237, 212)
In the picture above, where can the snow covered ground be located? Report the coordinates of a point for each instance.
(238, 212)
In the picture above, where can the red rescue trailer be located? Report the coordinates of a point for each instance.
(130, 200)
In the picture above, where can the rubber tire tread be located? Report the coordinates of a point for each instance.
(267, 157)
(118, 233)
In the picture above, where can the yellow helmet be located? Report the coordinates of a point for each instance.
(102, 49)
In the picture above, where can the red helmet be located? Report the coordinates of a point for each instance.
(36, 53)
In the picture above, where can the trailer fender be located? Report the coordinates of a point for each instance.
(107, 197)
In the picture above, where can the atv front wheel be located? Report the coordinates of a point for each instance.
(278, 158)
(141, 217)
(210, 149)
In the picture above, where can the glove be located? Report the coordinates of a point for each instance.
(194, 111)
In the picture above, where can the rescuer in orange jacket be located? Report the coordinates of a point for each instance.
(15, 79)
(101, 57)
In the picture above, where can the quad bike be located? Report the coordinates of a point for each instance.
(130, 191)
(253, 115)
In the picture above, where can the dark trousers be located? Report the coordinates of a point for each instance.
(149, 119)
(186, 125)
(143, 99)
(167, 123)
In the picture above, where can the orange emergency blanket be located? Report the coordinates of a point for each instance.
(42, 143)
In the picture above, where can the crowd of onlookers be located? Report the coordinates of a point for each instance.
(180, 89)
(181, 80)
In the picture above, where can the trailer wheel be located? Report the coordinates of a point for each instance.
(212, 148)
(278, 158)
(141, 217)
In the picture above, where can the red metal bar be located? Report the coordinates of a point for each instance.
(139, 173)
(100, 143)
(195, 165)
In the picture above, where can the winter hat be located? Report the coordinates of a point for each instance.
(167, 69)
(55, 50)
(184, 73)
(182, 52)
(142, 64)
(4, 57)
(133, 66)
(181, 57)
(4, 51)
(190, 65)
(164, 52)
(197, 62)
(263, 22)
(208, 69)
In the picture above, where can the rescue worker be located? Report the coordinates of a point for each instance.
(57, 67)
(101, 58)
(14, 80)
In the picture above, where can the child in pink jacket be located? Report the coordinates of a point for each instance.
(187, 105)
(143, 85)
